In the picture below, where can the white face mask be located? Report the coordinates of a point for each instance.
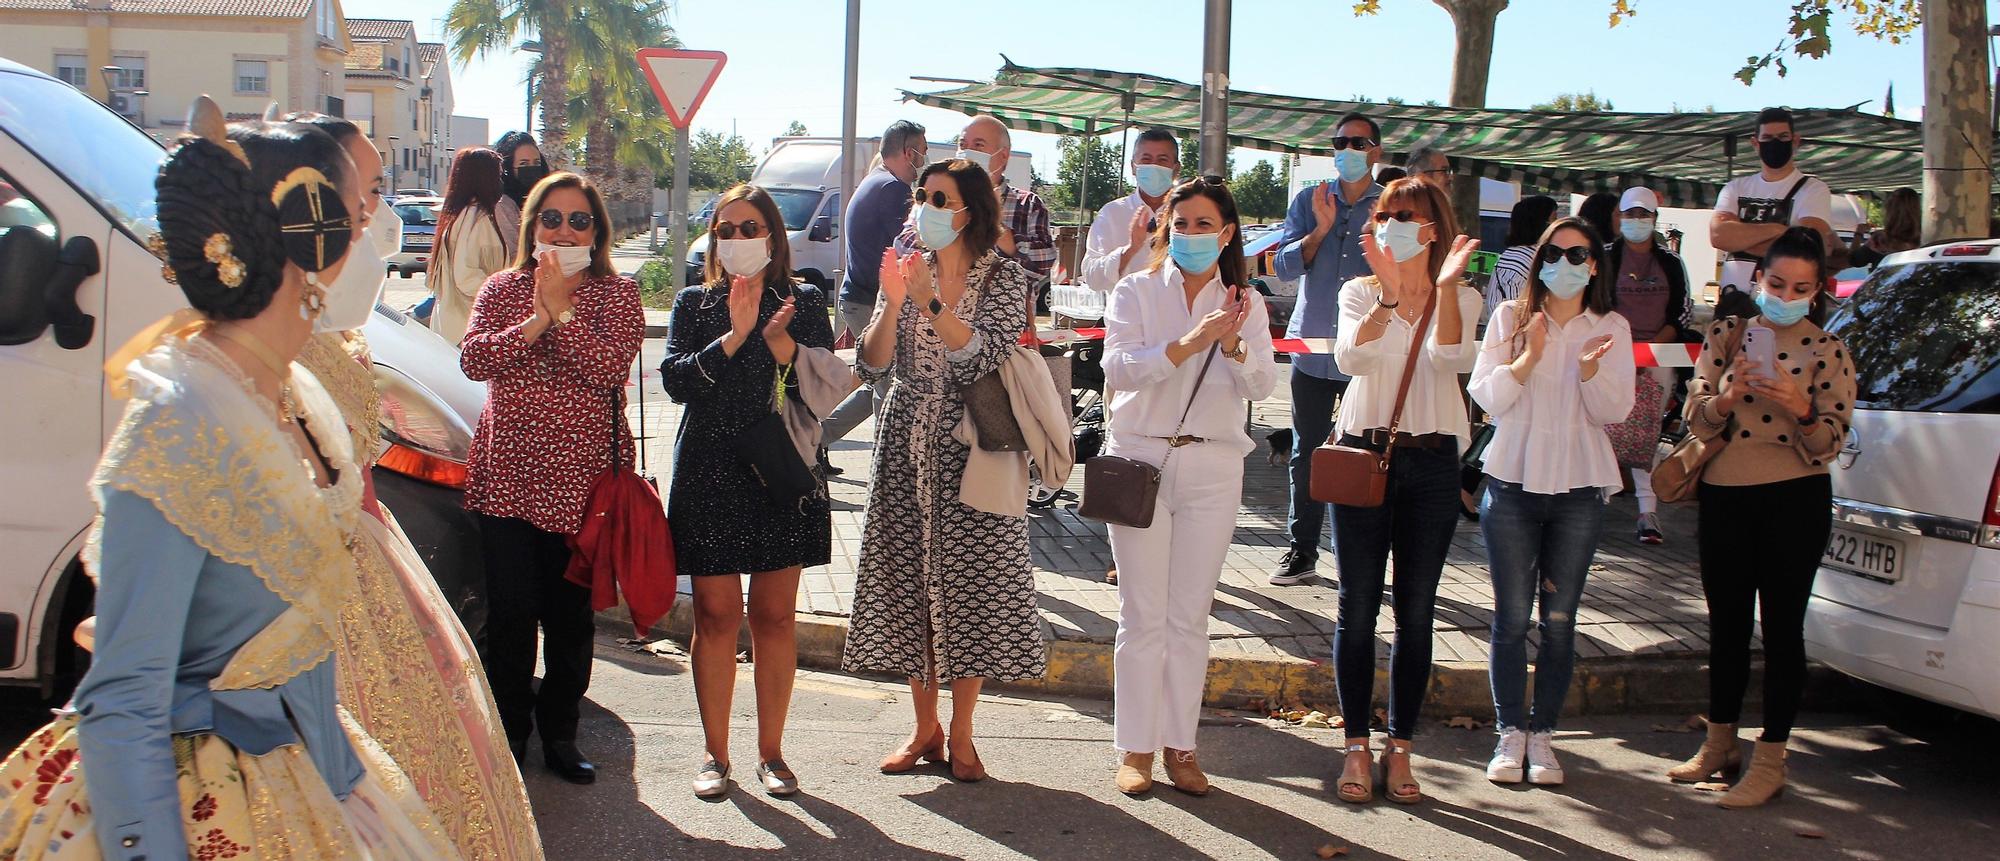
(351, 297)
(984, 160)
(572, 258)
(389, 239)
(743, 256)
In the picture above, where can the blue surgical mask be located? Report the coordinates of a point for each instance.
(1566, 279)
(1783, 312)
(984, 160)
(934, 226)
(1351, 164)
(1399, 237)
(1194, 253)
(1636, 229)
(1154, 179)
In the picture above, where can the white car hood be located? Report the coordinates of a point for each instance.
(423, 355)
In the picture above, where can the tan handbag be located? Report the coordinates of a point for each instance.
(1359, 477)
(1677, 475)
(1125, 491)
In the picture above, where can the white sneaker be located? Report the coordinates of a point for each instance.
(1543, 769)
(1508, 757)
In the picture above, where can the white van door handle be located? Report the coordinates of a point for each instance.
(1851, 450)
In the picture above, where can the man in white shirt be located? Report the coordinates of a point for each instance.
(1752, 210)
(1121, 237)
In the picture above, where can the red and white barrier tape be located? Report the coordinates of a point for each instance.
(1643, 355)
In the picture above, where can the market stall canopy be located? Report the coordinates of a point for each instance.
(1684, 157)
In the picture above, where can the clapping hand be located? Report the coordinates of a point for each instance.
(745, 294)
(916, 277)
(1324, 209)
(1140, 237)
(553, 295)
(892, 281)
(1216, 325)
(1456, 260)
(1388, 273)
(1538, 337)
(778, 335)
(1593, 350)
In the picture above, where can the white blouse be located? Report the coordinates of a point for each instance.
(1434, 404)
(1149, 310)
(1549, 432)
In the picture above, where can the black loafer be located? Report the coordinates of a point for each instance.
(568, 763)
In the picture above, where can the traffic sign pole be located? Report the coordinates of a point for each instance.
(677, 218)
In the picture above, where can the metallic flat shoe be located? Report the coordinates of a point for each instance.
(712, 781)
(778, 778)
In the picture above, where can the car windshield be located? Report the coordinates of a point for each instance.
(1926, 337)
(106, 158)
(798, 205)
(416, 213)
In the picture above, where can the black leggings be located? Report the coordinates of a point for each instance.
(1761, 544)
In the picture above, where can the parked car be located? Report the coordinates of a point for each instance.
(76, 282)
(1908, 593)
(420, 221)
(416, 192)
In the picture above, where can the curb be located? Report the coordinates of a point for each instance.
(1622, 686)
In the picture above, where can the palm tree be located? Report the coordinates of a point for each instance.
(605, 93)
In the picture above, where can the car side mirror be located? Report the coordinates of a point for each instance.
(77, 262)
(822, 229)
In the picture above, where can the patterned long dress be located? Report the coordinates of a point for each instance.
(944, 591)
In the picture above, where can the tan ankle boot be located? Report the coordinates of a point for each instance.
(1185, 772)
(1720, 752)
(1135, 774)
(1764, 781)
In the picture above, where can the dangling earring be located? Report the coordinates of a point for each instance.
(314, 299)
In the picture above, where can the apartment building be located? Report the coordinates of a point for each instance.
(399, 92)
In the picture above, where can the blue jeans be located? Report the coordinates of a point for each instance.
(866, 401)
(1312, 421)
(1537, 544)
(1415, 521)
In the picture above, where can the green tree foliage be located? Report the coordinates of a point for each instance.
(1808, 33)
(1576, 103)
(796, 130)
(1191, 160)
(1102, 161)
(716, 161)
(1259, 192)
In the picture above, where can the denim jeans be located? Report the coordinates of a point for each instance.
(866, 400)
(1415, 522)
(1312, 421)
(1538, 544)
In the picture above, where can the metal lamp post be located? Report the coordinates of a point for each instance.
(396, 163)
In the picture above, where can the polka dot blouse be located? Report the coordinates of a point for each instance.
(1766, 442)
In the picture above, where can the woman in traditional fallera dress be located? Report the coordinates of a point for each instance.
(229, 503)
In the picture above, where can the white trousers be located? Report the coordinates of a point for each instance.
(1166, 586)
(1642, 479)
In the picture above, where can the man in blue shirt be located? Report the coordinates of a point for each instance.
(1322, 244)
(874, 217)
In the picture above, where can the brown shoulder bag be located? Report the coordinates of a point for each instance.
(1125, 491)
(1677, 475)
(1350, 475)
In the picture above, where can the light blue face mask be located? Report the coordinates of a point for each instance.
(1566, 279)
(934, 226)
(1636, 229)
(1399, 237)
(1154, 180)
(1351, 164)
(1783, 312)
(1194, 253)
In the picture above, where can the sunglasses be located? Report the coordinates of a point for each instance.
(1577, 256)
(749, 229)
(935, 198)
(1399, 215)
(579, 220)
(1356, 142)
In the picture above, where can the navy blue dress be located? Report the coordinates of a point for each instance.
(722, 520)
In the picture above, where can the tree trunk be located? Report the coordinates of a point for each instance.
(600, 152)
(1473, 20)
(1958, 121)
(553, 91)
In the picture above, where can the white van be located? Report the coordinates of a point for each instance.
(803, 175)
(76, 282)
(1908, 592)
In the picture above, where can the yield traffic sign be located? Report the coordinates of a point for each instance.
(680, 79)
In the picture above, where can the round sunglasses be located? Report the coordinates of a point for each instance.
(749, 229)
(934, 198)
(578, 220)
(1577, 256)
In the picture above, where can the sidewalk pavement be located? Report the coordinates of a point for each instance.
(1641, 631)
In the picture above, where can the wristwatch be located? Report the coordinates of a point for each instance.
(1242, 349)
(936, 307)
(567, 315)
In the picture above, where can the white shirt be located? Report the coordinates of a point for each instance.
(1434, 404)
(1110, 235)
(1146, 312)
(1752, 197)
(1548, 433)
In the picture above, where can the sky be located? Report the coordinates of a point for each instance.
(785, 56)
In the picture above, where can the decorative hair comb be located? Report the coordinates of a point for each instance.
(206, 121)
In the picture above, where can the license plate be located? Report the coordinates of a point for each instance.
(417, 239)
(1870, 556)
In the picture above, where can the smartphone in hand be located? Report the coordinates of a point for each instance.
(1760, 346)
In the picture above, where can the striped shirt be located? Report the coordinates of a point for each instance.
(1510, 275)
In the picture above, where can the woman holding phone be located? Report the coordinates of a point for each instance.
(1765, 502)
(1186, 346)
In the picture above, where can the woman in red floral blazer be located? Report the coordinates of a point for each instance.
(554, 338)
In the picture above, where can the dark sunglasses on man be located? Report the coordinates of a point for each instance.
(1356, 142)
(579, 220)
(749, 229)
(1577, 256)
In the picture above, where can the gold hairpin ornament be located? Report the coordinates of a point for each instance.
(325, 214)
(158, 245)
(228, 269)
(205, 119)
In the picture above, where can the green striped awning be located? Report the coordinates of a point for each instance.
(1684, 157)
